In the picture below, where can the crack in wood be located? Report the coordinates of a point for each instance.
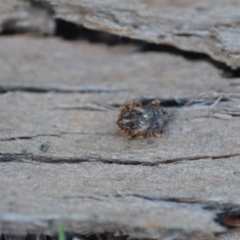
(31, 89)
(134, 22)
(205, 204)
(75, 31)
(27, 157)
(58, 134)
(204, 99)
(29, 137)
(212, 206)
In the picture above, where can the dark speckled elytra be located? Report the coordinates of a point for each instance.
(142, 121)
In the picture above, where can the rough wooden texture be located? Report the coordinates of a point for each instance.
(94, 196)
(63, 160)
(87, 68)
(210, 27)
(21, 16)
(232, 234)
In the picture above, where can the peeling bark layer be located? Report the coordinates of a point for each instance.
(210, 27)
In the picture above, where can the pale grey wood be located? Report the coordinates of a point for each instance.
(210, 27)
(21, 16)
(202, 237)
(97, 197)
(62, 158)
(204, 181)
(122, 71)
(233, 234)
(78, 132)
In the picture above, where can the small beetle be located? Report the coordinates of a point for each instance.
(142, 121)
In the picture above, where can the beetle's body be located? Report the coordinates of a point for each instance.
(142, 121)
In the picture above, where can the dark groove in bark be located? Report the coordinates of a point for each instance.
(31, 89)
(72, 31)
(42, 159)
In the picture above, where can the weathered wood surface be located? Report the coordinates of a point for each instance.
(21, 16)
(63, 160)
(70, 67)
(210, 27)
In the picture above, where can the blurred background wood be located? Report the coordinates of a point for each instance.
(62, 159)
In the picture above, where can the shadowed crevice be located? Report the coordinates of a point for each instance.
(31, 89)
(71, 31)
(26, 157)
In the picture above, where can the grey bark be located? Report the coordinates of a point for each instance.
(64, 161)
(18, 16)
(210, 27)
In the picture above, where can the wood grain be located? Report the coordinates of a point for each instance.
(62, 158)
(26, 17)
(210, 27)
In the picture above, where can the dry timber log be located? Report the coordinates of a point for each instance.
(62, 159)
